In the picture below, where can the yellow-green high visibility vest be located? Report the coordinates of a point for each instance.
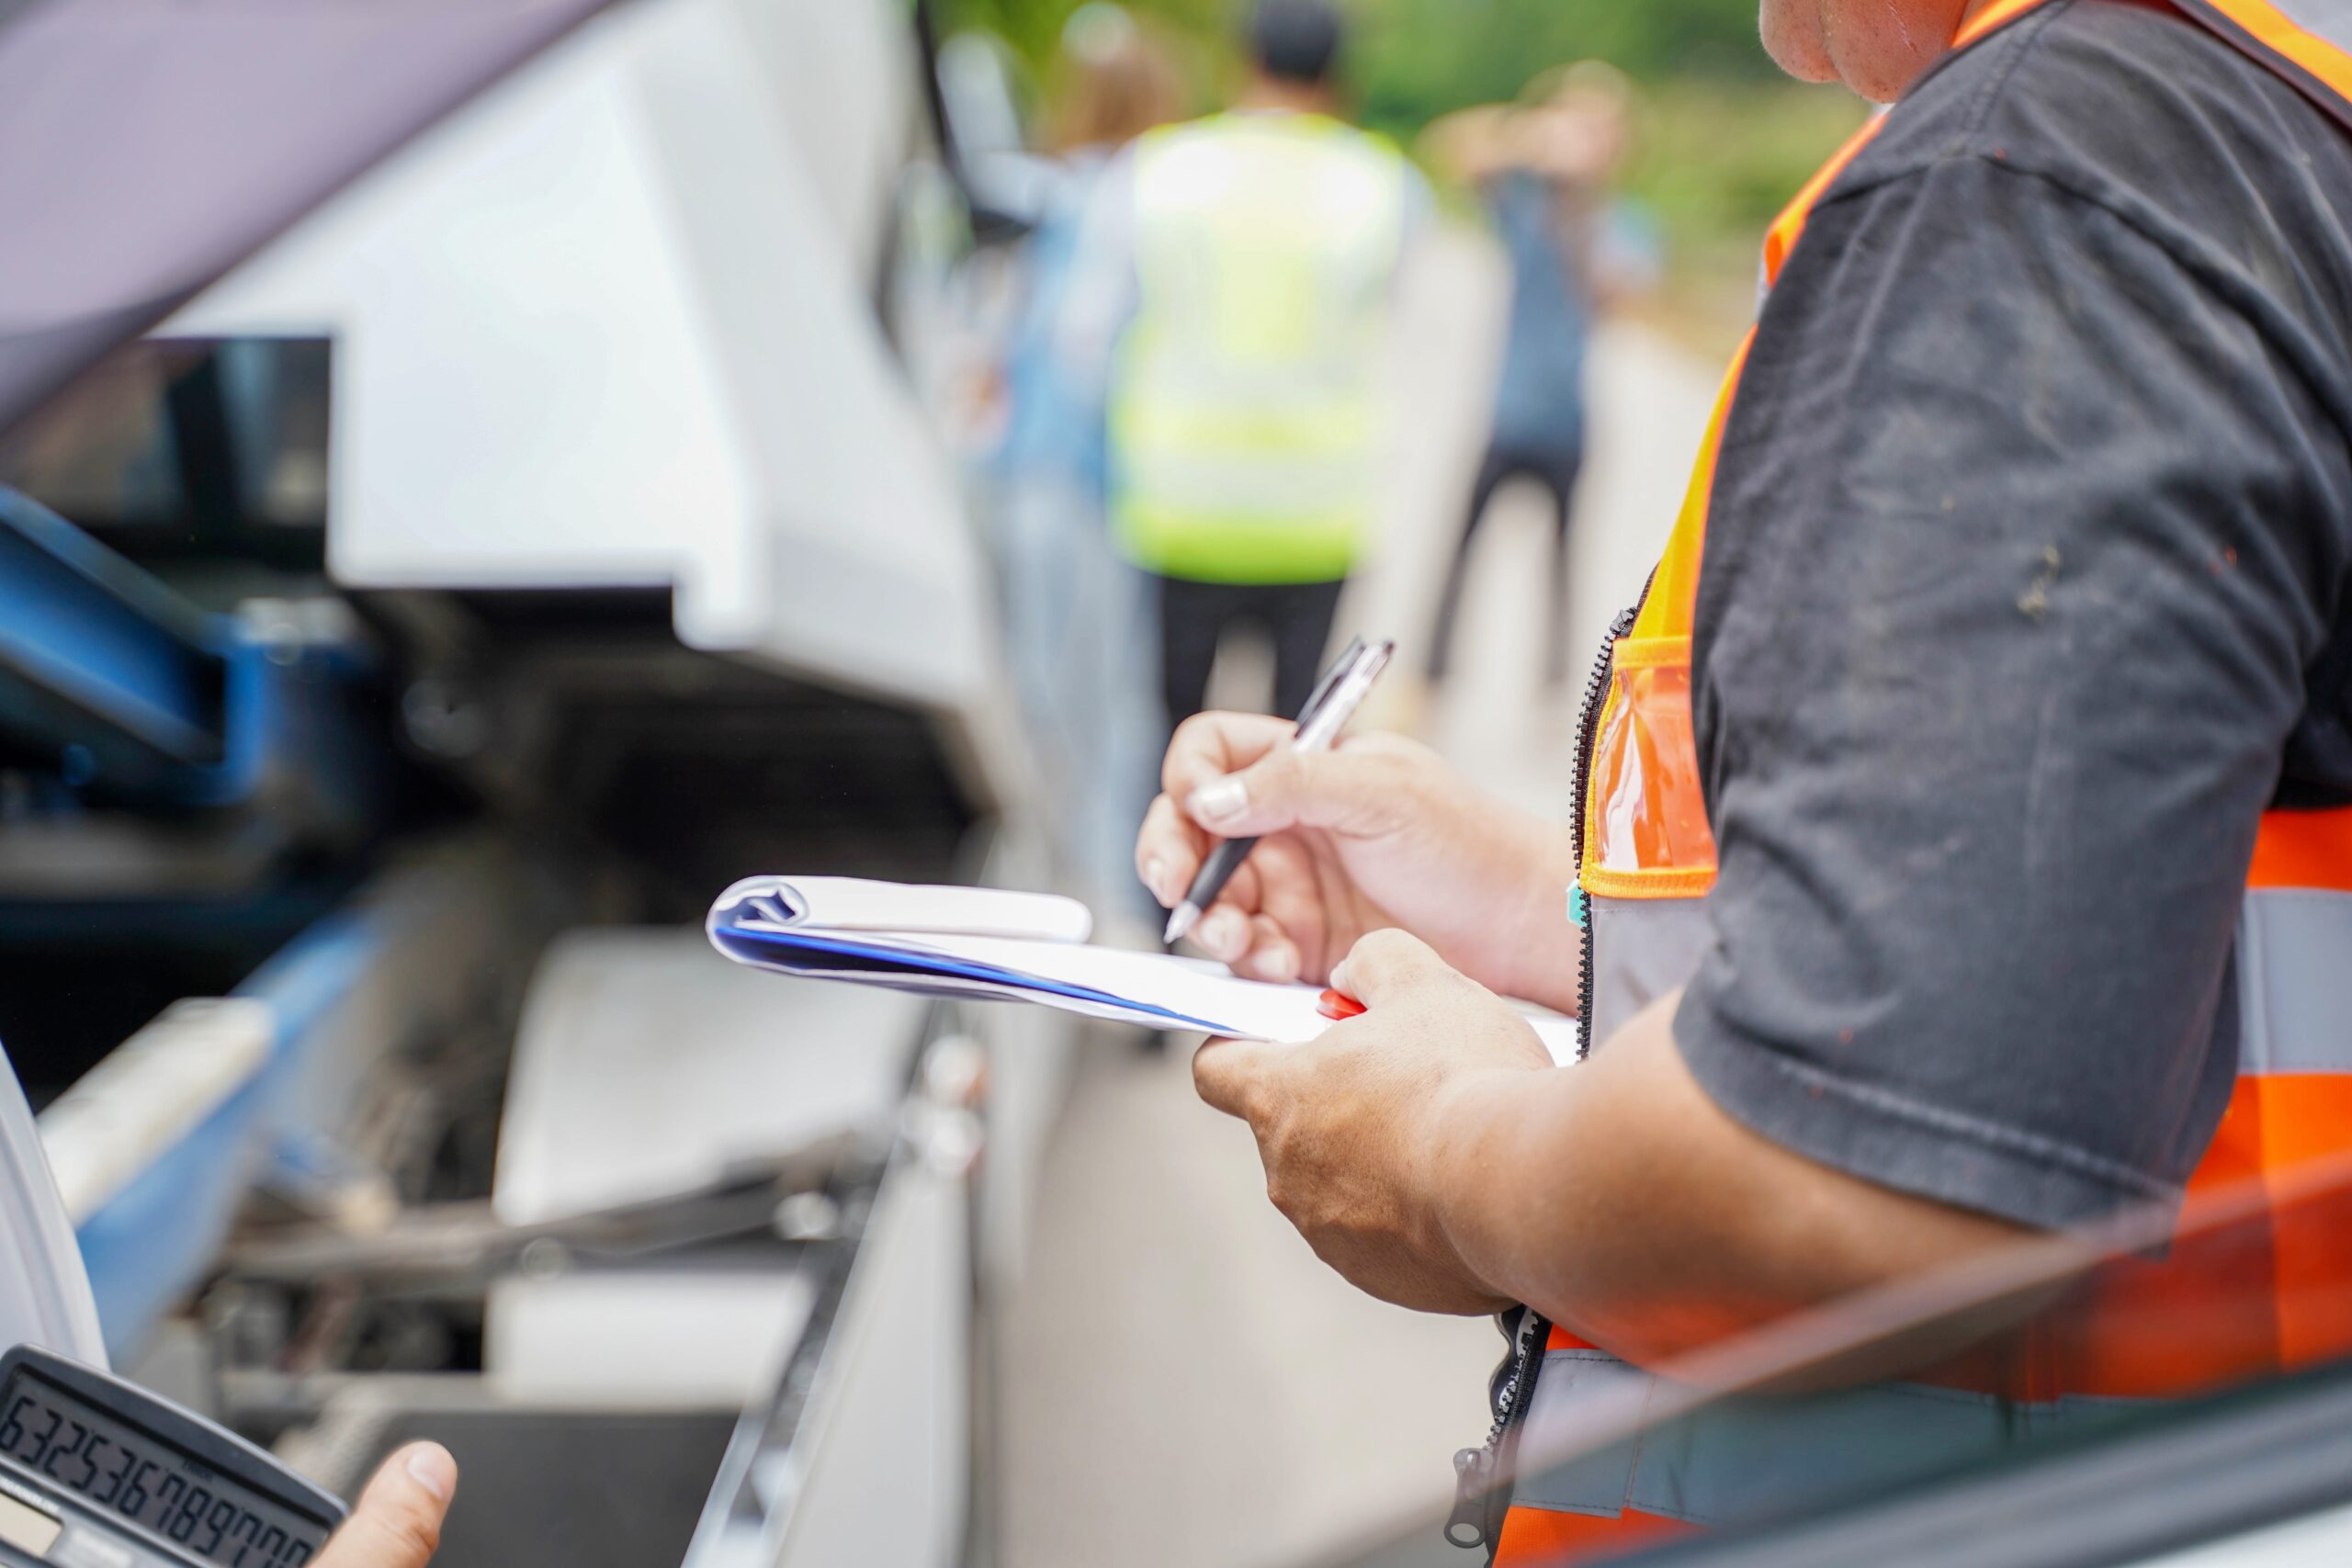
(1245, 404)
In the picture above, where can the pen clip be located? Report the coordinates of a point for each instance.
(1347, 685)
(1321, 695)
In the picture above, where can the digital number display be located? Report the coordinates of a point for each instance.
(134, 1475)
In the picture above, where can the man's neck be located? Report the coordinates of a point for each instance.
(1265, 93)
(1973, 9)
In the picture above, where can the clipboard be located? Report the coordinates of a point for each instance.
(987, 944)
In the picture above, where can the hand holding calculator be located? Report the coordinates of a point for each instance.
(96, 1472)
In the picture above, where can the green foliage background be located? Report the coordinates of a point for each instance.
(1725, 139)
(1422, 57)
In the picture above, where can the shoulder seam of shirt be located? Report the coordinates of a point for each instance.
(2205, 268)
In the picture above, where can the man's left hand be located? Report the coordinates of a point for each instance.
(1349, 1126)
(398, 1522)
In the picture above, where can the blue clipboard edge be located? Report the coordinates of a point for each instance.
(725, 935)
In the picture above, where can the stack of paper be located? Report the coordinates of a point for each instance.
(1032, 947)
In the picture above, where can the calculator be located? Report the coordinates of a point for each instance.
(97, 1473)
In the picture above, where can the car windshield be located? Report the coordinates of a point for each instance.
(2180, 1361)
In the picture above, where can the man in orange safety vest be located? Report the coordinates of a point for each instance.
(1961, 849)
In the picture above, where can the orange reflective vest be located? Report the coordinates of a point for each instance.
(2143, 1328)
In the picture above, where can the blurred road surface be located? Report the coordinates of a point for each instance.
(1184, 1384)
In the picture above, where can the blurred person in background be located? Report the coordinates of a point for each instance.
(1242, 273)
(1546, 170)
(1078, 617)
(1115, 82)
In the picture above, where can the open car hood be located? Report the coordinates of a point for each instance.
(152, 144)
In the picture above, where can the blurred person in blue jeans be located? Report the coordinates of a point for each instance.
(1080, 620)
(1544, 169)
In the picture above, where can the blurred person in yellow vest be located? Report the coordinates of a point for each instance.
(1245, 269)
(1958, 848)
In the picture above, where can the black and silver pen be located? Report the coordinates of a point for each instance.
(1334, 702)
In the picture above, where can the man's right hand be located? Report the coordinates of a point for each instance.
(1378, 833)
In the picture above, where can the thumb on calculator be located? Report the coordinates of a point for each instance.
(398, 1521)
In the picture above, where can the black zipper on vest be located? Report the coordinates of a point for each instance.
(1482, 1485)
(1596, 697)
(1481, 1475)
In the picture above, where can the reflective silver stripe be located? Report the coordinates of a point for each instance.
(2294, 970)
(2295, 981)
(1183, 375)
(2328, 20)
(1275, 488)
(1575, 1390)
(1642, 949)
(1746, 1460)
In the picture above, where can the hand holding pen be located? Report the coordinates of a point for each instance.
(1377, 833)
(1334, 702)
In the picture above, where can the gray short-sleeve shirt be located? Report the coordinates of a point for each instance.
(2022, 599)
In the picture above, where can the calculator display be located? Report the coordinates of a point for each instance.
(115, 1467)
